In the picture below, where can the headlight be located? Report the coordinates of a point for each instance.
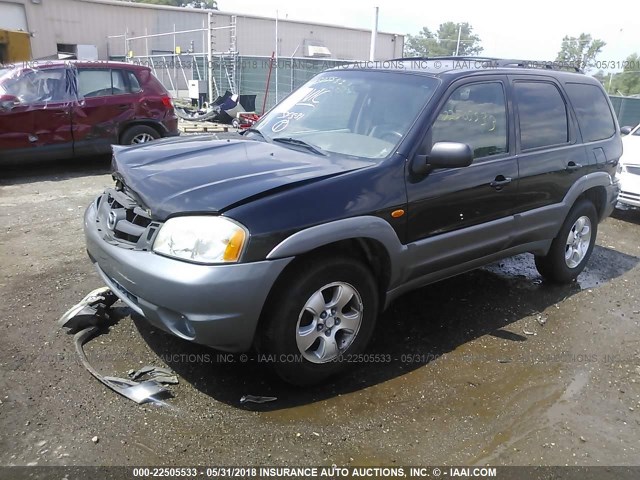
(202, 239)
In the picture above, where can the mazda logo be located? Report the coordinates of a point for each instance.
(112, 219)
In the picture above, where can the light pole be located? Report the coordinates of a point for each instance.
(458, 43)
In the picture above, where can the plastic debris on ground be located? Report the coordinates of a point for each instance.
(85, 320)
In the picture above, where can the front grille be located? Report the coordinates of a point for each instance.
(131, 220)
(124, 222)
(629, 196)
(634, 170)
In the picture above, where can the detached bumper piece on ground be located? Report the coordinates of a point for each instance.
(85, 320)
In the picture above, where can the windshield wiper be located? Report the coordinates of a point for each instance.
(300, 143)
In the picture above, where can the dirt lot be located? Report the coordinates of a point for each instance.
(493, 367)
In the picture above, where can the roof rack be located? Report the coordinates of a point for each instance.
(555, 65)
(451, 57)
(502, 62)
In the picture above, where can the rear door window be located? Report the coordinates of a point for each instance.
(94, 82)
(542, 115)
(593, 112)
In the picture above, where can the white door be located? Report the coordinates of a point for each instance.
(13, 16)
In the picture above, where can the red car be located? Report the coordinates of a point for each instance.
(62, 110)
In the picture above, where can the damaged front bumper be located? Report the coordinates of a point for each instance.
(215, 305)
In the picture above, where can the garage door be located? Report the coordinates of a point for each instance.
(13, 16)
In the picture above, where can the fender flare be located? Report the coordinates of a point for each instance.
(595, 179)
(367, 227)
(589, 181)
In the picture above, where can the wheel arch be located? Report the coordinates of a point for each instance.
(598, 196)
(369, 239)
(592, 187)
(157, 126)
(373, 238)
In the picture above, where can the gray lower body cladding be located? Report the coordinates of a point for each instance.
(215, 305)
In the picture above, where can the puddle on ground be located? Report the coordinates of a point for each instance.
(604, 265)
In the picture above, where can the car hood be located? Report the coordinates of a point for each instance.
(199, 174)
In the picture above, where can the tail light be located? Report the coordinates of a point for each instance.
(166, 101)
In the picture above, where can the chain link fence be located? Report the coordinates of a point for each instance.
(251, 74)
(627, 109)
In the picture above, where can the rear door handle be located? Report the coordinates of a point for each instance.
(500, 182)
(573, 166)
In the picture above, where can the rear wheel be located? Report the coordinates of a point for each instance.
(139, 134)
(321, 311)
(571, 249)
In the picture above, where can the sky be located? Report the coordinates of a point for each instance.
(532, 34)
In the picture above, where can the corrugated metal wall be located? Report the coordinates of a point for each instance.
(257, 37)
(91, 21)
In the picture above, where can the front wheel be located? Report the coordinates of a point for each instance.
(322, 311)
(571, 249)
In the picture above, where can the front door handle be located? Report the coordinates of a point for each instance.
(500, 182)
(573, 166)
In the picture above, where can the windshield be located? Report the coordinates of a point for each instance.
(359, 113)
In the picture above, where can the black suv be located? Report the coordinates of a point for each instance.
(361, 185)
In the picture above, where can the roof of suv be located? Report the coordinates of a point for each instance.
(461, 66)
(41, 64)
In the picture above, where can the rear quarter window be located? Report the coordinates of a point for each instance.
(103, 82)
(592, 109)
(133, 82)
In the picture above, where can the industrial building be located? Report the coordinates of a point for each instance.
(236, 48)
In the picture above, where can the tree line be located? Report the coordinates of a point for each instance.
(582, 51)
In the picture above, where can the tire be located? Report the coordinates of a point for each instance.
(306, 348)
(569, 253)
(139, 134)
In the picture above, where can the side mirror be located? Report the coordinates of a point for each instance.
(7, 102)
(443, 155)
(626, 130)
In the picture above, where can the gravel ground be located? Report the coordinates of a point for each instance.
(492, 367)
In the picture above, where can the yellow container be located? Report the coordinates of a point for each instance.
(14, 46)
